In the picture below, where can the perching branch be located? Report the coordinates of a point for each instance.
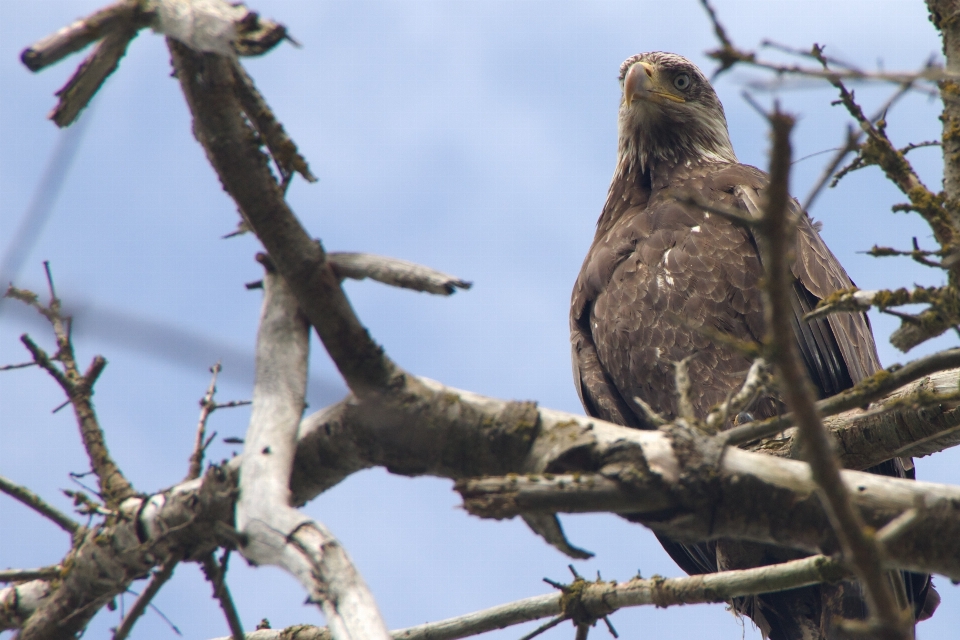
(915, 421)
(863, 393)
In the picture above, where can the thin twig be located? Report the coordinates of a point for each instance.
(757, 378)
(144, 599)
(211, 570)
(207, 406)
(859, 548)
(851, 144)
(37, 503)
(78, 387)
(649, 413)
(864, 392)
(612, 596)
(22, 365)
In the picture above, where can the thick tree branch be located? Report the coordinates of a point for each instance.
(180, 522)
(276, 533)
(209, 84)
(911, 422)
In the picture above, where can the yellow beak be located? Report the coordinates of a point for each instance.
(644, 82)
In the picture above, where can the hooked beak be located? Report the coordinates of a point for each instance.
(643, 82)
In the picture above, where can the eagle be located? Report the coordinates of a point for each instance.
(664, 278)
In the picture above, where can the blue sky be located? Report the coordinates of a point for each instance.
(474, 137)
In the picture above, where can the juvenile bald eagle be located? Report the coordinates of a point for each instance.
(658, 272)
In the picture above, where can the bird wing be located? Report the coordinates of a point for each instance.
(839, 350)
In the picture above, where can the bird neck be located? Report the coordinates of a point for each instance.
(657, 152)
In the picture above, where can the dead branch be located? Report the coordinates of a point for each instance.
(209, 84)
(157, 581)
(394, 272)
(93, 72)
(39, 505)
(601, 598)
(457, 434)
(275, 532)
(207, 406)
(866, 391)
(114, 487)
(83, 32)
(217, 577)
(23, 575)
(860, 550)
(282, 148)
(179, 522)
(911, 422)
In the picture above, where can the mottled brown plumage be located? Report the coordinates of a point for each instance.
(661, 277)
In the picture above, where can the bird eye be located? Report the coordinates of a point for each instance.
(682, 82)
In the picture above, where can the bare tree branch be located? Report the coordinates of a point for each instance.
(601, 598)
(79, 389)
(83, 32)
(277, 533)
(873, 388)
(911, 422)
(218, 578)
(207, 406)
(22, 575)
(157, 581)
(90, 76)
(179, 522)
(282, 148)
(209, 84)
(39, 505)
(394, 272)
(860, 549)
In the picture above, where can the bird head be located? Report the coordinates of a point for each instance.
(669, 113)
